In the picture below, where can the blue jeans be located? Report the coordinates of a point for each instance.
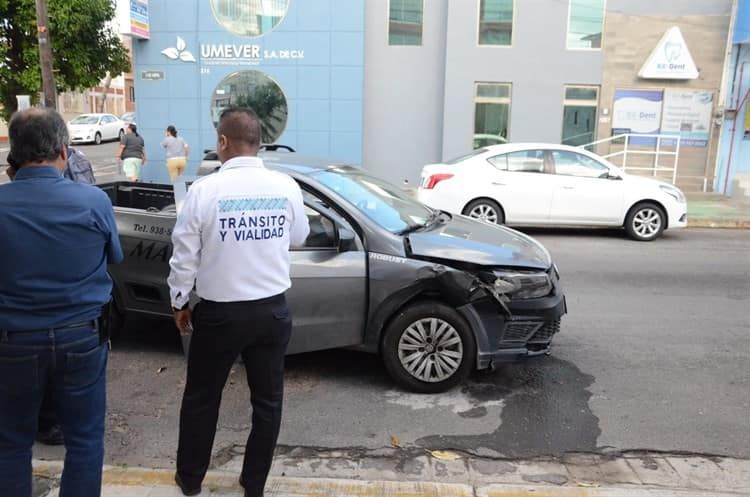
(70, 365)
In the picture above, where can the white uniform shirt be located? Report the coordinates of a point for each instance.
(233, 234)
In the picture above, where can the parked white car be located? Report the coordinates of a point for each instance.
(95, 128)
(538, 184)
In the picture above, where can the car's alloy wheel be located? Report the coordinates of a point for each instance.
(120, 134)
(645, 222)
(98, 138)
(430, 350)
(428, 347)
(485, 210)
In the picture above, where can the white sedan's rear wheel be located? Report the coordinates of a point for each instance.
(485, 210)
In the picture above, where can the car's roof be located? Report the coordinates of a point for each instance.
(512, 147)
(299, 163)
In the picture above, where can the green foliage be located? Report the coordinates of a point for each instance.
(84, 47)
(269, 104)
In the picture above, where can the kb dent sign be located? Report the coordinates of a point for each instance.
(670, 59)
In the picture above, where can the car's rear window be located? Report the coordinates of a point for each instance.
(462, 158)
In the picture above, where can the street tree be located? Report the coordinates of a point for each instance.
(85, 47)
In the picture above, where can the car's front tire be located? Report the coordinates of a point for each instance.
(486, 210)
(428, 348)
(645, 222)
(98, 138)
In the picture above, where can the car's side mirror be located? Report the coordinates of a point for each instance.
(613, 176)
(347, 240)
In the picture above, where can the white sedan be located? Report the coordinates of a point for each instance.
(88, 128)
(534, 184)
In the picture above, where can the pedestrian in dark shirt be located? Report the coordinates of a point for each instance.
(79, 167)
(132, 152)
(58, 237)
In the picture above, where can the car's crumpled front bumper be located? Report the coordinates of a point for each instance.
(528, 331)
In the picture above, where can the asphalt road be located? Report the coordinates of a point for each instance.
(102, 158)
(653, 354)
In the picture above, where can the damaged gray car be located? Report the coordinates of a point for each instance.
(436, 295)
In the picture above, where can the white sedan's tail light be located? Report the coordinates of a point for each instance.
(432, 180)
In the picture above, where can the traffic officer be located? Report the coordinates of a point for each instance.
(231, 243)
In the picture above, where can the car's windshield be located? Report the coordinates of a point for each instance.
(85, 120)
(382, 202)
(462, 158)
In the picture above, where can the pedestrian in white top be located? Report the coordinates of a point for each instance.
(231, 242)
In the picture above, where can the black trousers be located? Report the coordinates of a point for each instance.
(258, 330)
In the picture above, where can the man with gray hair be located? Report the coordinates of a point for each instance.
(57, 238)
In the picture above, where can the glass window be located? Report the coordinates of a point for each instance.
(249, 17)
(322, 230)
(526, 161)
(491, 113)
(387, 205)
(496, 22)
(405, 22)
(499, 161)
(579, 115)
(462, 158)
(585, 22)
(85, 119)
(574, 164)
(258, 91)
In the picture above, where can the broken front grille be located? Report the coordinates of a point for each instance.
(544, 334)
(531, 331)
(520, 331)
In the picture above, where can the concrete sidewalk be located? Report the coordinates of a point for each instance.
(331, 473)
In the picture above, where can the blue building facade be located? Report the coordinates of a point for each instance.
(734, 149)
(299, 63)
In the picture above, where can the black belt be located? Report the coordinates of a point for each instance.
(73, 326)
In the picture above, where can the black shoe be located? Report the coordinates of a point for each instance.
(185, 489)
(247, 493)
(53, 436)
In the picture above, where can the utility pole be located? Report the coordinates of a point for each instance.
(45, 56)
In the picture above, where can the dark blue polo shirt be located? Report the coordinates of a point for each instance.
(56, 239)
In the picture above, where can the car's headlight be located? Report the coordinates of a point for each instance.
(523, 285)
(674, 192)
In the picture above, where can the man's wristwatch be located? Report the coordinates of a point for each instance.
(175, 309)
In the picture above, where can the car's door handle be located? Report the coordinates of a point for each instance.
(497, 183)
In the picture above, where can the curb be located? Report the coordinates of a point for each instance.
(141, 482)
(718, 223)
(127, 482)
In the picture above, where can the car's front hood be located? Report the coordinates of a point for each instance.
(468, 241)
(81, 127)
